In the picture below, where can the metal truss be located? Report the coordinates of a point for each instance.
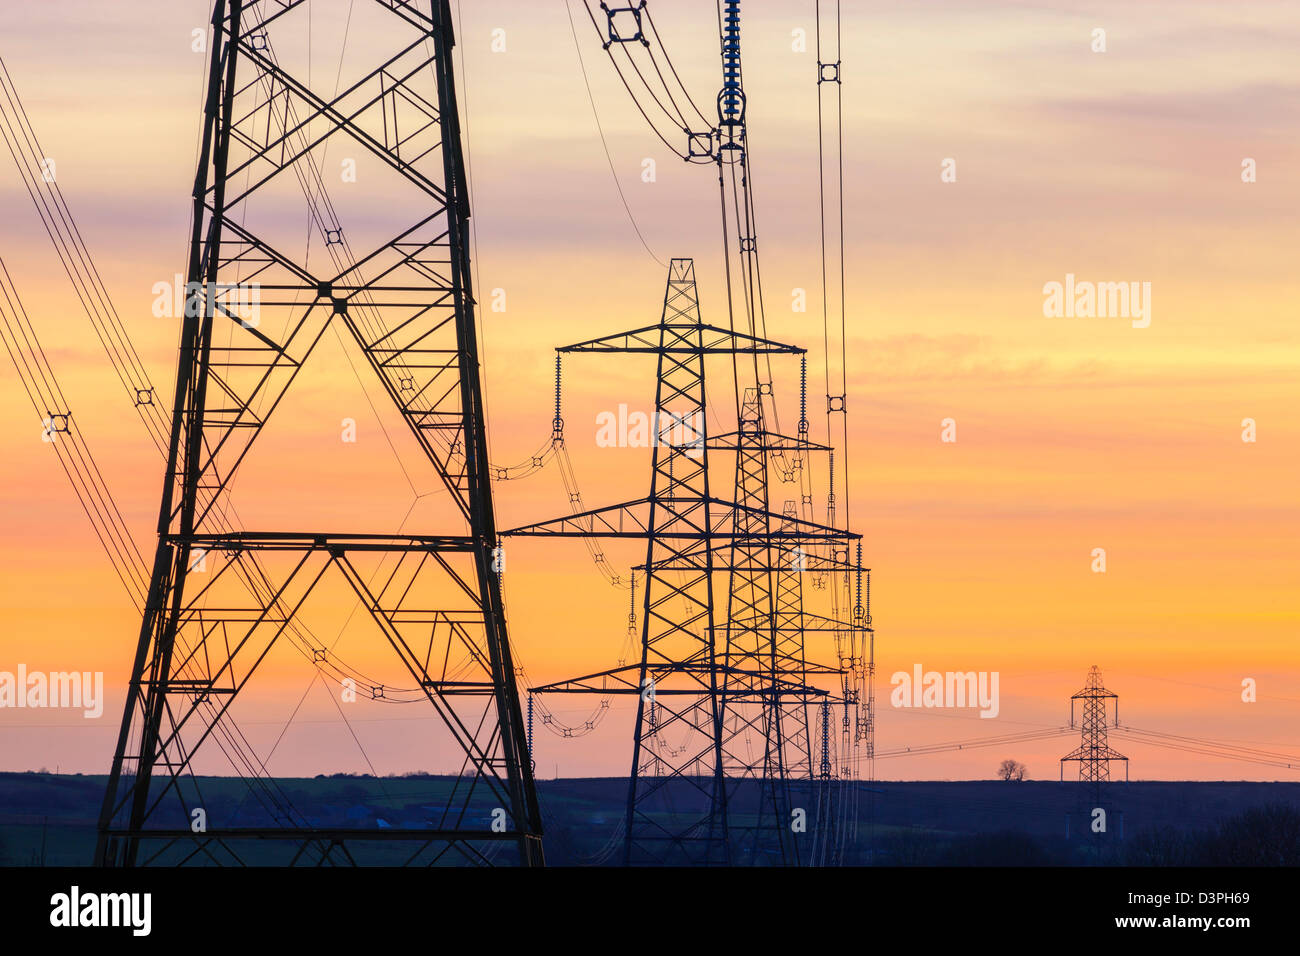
(1094, 752)
(752, 704)
(404, 298)
(709, 681)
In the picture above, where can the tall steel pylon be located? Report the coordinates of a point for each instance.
(790, 654)
(1094, 753)
(755, 742)
(764, 696)
(688, 679)
(404, 299)
(766, 739)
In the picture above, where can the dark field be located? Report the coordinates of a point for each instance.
(50, 819)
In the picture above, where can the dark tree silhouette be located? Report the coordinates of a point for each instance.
(1011, 770)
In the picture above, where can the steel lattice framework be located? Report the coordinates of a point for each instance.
(765, 645)
(404, 298)
(1094, 753)
(705, 676)
(763, 734)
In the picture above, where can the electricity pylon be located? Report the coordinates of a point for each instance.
(764, 642)
(403, 297)
(677, 808)
(1094, 753)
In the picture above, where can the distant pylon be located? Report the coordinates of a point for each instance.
(1094, 753)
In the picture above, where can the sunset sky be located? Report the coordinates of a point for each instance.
(1072, 433)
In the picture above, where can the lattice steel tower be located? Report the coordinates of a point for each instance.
(705, 676)
(1094, 753)
(397, 287)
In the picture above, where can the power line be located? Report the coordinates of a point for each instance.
(600, 130)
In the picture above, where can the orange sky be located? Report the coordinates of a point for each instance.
(1073, 434)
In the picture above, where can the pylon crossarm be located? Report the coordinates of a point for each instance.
(780, 560)
(626, 680)
(767, 441)
(811, 622)
(627, 521)
(684, 338)
(237, 541)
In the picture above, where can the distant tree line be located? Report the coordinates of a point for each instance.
(1267, 835)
